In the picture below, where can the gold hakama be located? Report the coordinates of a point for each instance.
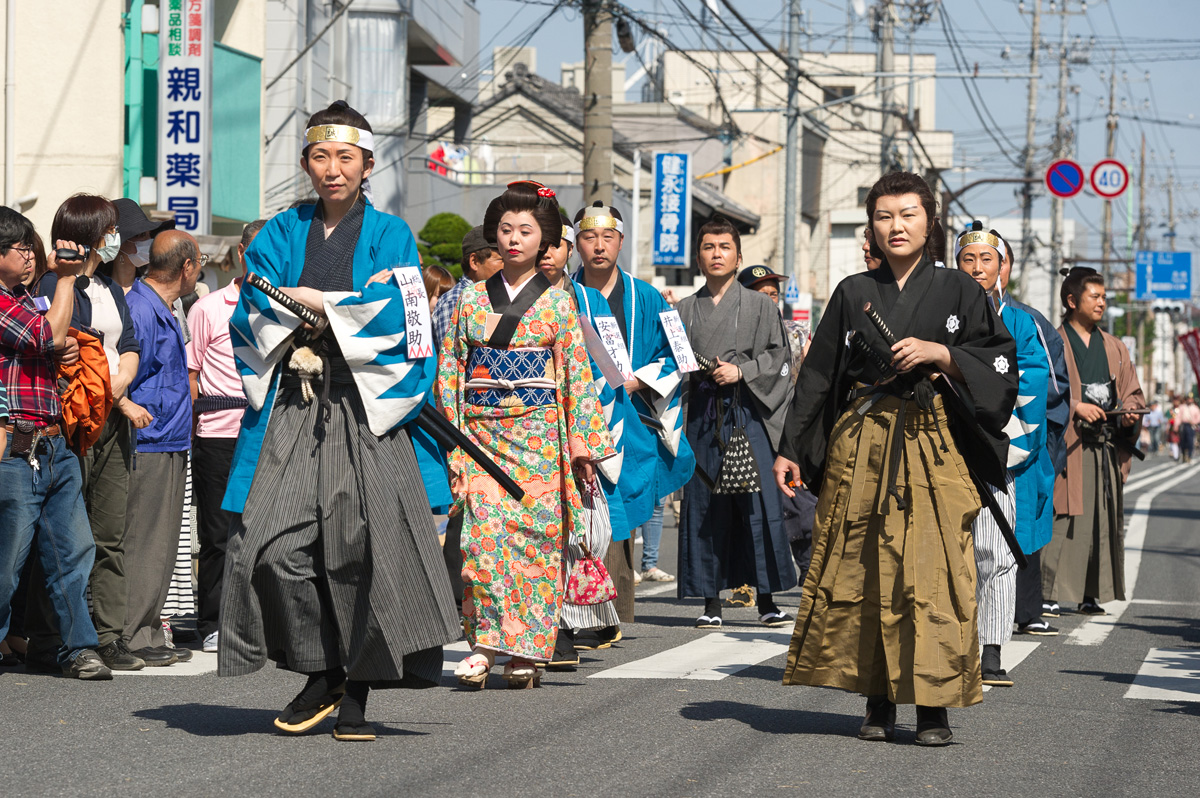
(888, 606)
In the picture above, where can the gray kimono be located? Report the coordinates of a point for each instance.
(727, 541)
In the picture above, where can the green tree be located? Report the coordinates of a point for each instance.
(441, 241)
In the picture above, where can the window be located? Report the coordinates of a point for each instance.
(863, 191)
(834, 93)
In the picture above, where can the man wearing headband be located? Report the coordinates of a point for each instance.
(1051, 460)
(333, 568)
(1085, 559)
(980, 253)
(663, 461)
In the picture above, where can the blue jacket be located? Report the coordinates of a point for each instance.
(1058, 397)
(161, 383)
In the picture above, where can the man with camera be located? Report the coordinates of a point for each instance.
(40, 481)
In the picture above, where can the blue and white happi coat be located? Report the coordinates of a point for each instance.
(1028, 456)
(655, 464)
(369, 325)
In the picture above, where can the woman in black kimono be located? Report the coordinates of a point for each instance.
(894, 422)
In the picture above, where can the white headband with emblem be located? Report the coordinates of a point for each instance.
(599, 217)
(978, 237)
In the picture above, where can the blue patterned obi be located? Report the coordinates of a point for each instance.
(511, 377)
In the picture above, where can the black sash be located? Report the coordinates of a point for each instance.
(512, 310)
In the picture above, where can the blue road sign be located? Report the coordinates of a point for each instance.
(1164, 275)
(1064, 178)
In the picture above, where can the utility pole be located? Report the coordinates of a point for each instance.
(1146, 362)
(1106, 248)
(790, 206)
(1030, 144)
(1060, 151)
(597, 103)
(1171, 211)
(886, 19)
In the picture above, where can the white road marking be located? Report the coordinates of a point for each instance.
(1167, 603)
(202, 663)
(1168, 674)
(657, 590)
(708, 658)
(1014, 653)
(1095, 631)
(1142, 478)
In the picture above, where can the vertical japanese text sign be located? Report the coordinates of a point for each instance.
(671, 245)
(185, 44)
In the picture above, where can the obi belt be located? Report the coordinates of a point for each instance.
(511, 377)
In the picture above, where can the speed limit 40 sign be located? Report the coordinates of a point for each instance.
(1109, 178)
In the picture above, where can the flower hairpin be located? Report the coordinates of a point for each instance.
(548, 193)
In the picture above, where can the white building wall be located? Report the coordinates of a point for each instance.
(70, 94)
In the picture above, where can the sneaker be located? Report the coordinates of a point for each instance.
(1038, 627)
(1051, 609)
(657, 574)
(637, 578)
(639, 540)
(42, 662)
(87, 665)
(210, 643)
(117, 656)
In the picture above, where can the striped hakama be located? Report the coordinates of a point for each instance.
(996, 569)
(335, 561)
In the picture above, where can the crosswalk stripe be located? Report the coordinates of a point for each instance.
(1095, 631)
(656, 590)
(709, 658)
(1142, 478)
(1168, 674)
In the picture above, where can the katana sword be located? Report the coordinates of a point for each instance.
(428, 420)
(954, 402)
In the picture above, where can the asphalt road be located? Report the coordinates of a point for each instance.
(669, 711)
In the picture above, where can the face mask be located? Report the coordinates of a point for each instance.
(112, 245)
(141, 253)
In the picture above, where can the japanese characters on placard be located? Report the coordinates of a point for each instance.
(185, 112)
(417, 326)
(672, 209)
(614, 344)
(677, 338)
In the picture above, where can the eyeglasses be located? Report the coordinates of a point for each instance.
(25, 251)
(203, 261)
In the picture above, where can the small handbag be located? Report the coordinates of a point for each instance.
(739, 470)
(590, 583)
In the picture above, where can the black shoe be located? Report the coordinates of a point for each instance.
(87, 665)
(997, 678)
(156, 657)
(354, 731)
(42, 662)
(1090, 607)
(933, 726)
(181, 654)
(1038, 627)
(565, 656)
(118, 657)
(880, 722)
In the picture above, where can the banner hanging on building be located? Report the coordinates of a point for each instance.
(185, 42)
(1191, 345)
(671, 245)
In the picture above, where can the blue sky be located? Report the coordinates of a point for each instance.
(1158, 67)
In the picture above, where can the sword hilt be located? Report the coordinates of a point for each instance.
(880, 324)
(305, 314)
(859, 344)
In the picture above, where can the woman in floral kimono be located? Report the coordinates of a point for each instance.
(514, 376)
